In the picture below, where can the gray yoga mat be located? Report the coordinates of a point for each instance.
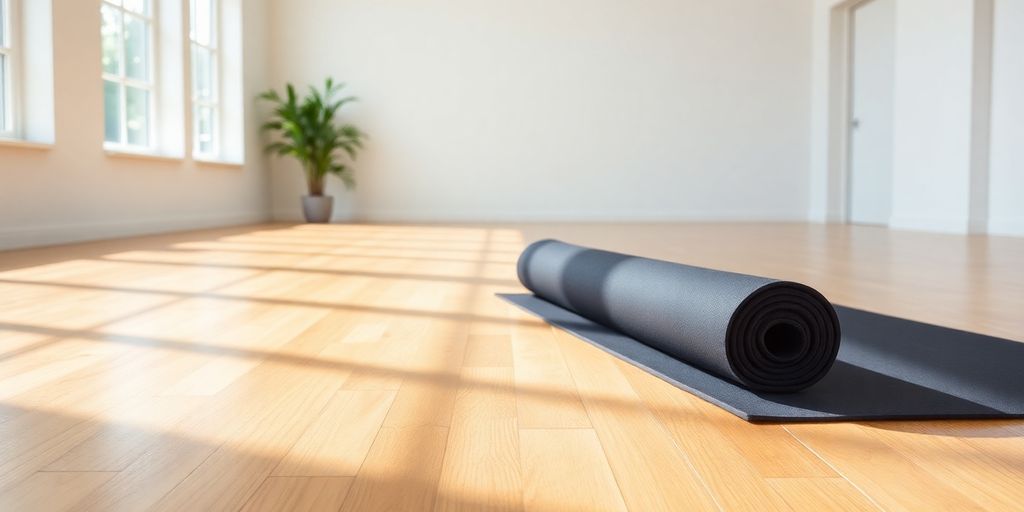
(768, 350)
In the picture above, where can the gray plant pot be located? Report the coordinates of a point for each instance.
(317, 208)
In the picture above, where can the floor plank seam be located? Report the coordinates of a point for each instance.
(234, 343)
(836, 469)
(448, 431)
(559, 427)
(186, 477)
(685, 456)
(680, 449)
(319, 413)
(375, 436)
(77, 471)
(583, 403)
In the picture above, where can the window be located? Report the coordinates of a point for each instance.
(7, 69)
(206, 112)
(26, 71)
(128, 72)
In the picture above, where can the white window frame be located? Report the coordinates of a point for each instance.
(122, 80)
(9, 117)
(213, 104)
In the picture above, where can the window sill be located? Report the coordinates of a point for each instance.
(24, 144)
(234, 164)
(142, 155)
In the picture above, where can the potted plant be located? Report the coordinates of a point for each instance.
(308, 130)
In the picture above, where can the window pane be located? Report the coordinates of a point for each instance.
(205, 128)
(3, 92)
(203, 86)
(202, 23)
(136, 48)
(111, 31)
(139, 6)
(3, 23)
(111, 112)
(137, 120)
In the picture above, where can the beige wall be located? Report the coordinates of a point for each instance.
(932, 115)
(575, 109)
(533, 110)
(958, 165)
(75, 191)
(1006, 186)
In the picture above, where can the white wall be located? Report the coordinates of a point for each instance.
(872, 68)
(827, 101)
(956, 161)
(74, 191)
(932, 114)
(485, 109)
(576, 109)
(1006, 174)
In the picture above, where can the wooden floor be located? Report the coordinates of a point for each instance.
(368, 367)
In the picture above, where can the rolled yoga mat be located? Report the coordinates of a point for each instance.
(768, 350)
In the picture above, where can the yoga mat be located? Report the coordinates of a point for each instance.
(768, 350)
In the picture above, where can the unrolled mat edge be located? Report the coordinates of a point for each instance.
(886, 368)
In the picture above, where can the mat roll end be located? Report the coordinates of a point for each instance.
(783, 338)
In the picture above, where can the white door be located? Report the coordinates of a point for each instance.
(872, 68)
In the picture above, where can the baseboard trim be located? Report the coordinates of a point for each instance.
(34, 236)
(295, 215)
(476, 216)
(1007, 226)
(953, 225)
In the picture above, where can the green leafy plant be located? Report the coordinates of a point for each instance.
(308, 130)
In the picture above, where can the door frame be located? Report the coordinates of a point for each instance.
(847, 126)
(831, 112)
(840, 109)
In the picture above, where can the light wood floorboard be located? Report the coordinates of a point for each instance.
(370, 367)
